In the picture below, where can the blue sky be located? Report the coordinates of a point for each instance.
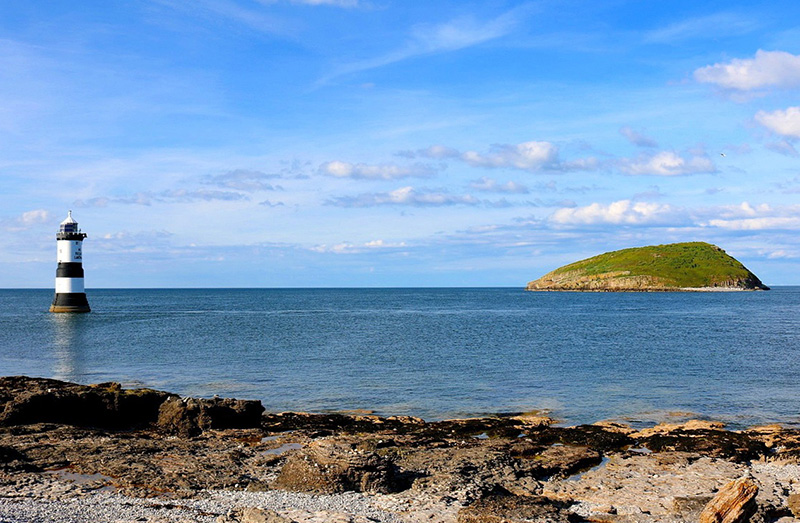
(283, 143)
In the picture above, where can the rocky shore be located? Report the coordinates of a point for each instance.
(103, 453)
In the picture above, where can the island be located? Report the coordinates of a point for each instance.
(689, 266)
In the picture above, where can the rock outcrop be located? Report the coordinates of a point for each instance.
(509, 468)
(25, 401)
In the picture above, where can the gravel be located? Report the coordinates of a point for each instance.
(82, 506)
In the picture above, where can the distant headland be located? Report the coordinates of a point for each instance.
(693, 266)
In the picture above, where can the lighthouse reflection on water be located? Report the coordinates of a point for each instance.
(68, 339)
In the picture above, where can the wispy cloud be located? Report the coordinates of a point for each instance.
(405, 196)
(244, 180)
(489, 185)
(385, 171)
(783, 147)
(357, 248)
(333, 3)
(437, 152)
(711, 26)
(766, 69)
(255, 19)
(636, 138)
(167, 196)
(425, 39)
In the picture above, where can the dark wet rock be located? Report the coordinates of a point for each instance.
(556, 461)
(593, 436)
(714, 443)
(516, 509)
(26, 400)
(510, 425)
(332, 466)
(12, 460)
(191, 416)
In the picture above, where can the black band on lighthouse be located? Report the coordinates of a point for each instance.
(69, 270)
(72, 300)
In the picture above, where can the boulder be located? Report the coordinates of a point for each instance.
(332, 466)
(191, 416)
(515, 509)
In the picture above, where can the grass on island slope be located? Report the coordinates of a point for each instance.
(693, 264)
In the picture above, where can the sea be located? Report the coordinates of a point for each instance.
(434, 353)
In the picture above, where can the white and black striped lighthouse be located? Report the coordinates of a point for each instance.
(70, 294)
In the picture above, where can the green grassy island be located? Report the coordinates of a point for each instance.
(693, 266)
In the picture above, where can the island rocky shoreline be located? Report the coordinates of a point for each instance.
(72, 452)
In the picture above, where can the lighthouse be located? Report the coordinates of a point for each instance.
(70, 294)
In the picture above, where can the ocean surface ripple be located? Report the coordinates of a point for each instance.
(433, 353)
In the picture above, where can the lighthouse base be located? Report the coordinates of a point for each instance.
(70, 302)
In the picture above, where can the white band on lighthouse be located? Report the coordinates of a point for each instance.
(70, 295)
(69, 285)
(69, 251)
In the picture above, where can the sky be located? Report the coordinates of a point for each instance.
(381, 143)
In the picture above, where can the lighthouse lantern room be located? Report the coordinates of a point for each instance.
(70, 294)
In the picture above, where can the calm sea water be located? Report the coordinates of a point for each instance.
(434, 353)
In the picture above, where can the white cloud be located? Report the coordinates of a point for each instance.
(784, 123)
(767, 69)
(758, 224)
(34, 217)
(636, 138)
(668, 163)
(529, 156)
(405, 196)
(375, 172)
(747, 217)
(622, 212)
(490, 185)
(26, 220)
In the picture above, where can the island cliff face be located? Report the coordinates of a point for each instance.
(672, 267)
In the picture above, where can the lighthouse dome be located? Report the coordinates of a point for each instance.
(69, 225)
